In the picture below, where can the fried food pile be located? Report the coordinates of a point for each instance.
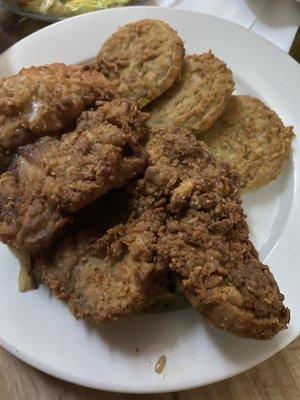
(46, 100)
(119, 209)
(185, 215)
(50, 180)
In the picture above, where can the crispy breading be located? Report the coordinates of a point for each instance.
(143, 59)
(206, 241)
(107, 270)
(252, 139)
(185, 214)
(46, 100)
(198, 99)
(55, 177)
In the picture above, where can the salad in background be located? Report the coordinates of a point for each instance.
(67, 8)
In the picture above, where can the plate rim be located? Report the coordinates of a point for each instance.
(66, 377)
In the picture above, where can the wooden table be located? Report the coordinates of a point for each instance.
(275, 379)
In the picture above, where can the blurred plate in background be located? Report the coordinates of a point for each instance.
(13, 6)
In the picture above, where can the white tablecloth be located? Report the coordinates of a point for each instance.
(276, 20)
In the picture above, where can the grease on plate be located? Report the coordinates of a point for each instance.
(161, 363)
(25, 280)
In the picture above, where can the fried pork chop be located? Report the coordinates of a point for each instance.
(185, 214)
(206, 242)
(46, 100)
(53, 178)
(108, 269)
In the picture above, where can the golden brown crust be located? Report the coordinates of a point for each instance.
(55, 177)
(252, 139)
(107, 270)
(142, 59)
(198, 99)
(206, 241)
(184, 214)
(46, 100)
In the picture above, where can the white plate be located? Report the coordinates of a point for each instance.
(39, 329)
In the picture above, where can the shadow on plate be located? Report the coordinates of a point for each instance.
(239, 351)
(142, 333)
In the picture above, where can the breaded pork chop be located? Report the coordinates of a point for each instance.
(252, 139)
(184, 214)
(55, 177)
(46, 100)
(198, 99)
(143, 59)
(106, 270)
(206, 241)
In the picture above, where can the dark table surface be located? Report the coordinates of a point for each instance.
(13, 28)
